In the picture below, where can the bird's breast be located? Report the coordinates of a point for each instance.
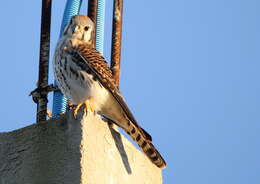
(79, 85)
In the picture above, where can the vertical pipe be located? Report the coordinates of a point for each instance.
(92, 14)
(72, 8)
(44, 58)
(116, 40)
(100, 26)
(59, 101)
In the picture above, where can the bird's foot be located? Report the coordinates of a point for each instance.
(86, 108)
(75, 112)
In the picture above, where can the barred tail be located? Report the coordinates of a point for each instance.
(143, 139)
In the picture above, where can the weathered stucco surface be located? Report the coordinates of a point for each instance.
(68, 151)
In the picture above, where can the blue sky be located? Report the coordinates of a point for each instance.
(190, 74)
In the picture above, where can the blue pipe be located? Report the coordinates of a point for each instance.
(100, 25)
(59, 101)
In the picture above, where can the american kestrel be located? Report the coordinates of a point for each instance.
(84, 77)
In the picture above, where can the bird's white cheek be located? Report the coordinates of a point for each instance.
(87, 37)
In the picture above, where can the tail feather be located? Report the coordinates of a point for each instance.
(143, 139)
(147, 135)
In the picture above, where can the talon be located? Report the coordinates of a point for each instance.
(88, 106)
(76, 110)
(85, 110)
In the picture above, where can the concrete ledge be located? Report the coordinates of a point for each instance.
(68, 151)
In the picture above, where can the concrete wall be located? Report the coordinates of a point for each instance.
(68, 151)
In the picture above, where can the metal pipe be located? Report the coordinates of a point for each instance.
(44, 59)
(100, 25)
(116, 40)
(92, 14)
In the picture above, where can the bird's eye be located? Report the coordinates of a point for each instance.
(86, 28)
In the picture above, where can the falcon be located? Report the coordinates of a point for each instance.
(85, 78)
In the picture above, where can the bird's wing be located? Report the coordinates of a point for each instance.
(89, 58)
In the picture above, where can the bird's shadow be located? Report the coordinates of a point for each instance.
(119, 145)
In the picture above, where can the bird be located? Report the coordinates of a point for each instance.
(85, 78)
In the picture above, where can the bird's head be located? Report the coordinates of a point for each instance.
(80, 28)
